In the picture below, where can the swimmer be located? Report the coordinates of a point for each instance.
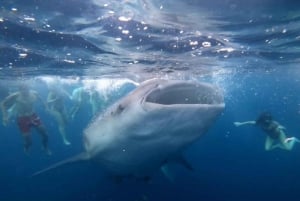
(23, 101)
(276, 137)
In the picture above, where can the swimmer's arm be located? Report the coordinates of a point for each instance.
(67, 94)
(9, 99)
(50, 98)
(41, 100)
(244, 123)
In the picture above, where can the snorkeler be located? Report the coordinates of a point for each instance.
(78, 96)
(23, 101)
(4, 92)
(95, 100)
(276, 137)
(56, 106)
(83, 95)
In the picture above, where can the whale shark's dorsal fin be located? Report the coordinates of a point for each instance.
(78, 158)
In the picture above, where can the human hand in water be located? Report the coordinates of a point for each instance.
(237, 123)
(281, 127)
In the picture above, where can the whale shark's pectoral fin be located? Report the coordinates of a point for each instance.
(181, 160)
(165, 168)
(78, 158)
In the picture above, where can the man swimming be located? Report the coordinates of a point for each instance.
(56, 106)
(23, 101)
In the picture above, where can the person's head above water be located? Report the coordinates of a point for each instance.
(264, 119)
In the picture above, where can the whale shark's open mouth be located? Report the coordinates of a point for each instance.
(184, 93)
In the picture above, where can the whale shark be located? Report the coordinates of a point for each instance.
(150, 127)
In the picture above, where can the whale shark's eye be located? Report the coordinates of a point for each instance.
(119, 110)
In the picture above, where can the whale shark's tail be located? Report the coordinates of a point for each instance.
(78, 158)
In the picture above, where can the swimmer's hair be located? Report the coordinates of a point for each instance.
(264, 118)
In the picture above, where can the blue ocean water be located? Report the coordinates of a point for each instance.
(250, 49)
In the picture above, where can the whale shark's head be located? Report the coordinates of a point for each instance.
(158, 111)
(159, 93)
(184, 109)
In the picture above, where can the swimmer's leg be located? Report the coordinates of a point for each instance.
(269, 144)
(27, 142)
(42, 131)
(61, 121)
(290, 142)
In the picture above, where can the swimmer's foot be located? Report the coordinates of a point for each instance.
(47, 151)
(289, 139)
(66, 142)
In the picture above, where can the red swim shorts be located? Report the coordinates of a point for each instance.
(26, 122)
